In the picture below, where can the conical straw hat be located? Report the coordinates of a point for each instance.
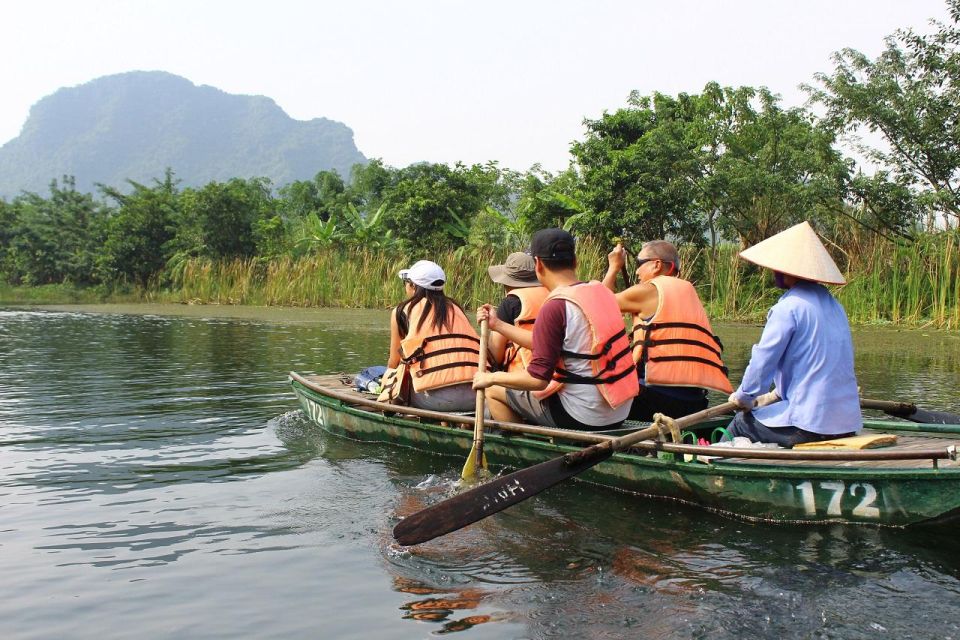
(797, 252)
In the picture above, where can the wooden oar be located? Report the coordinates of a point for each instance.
(624, 273)
(487, 499)
(910, 412)
(476, 459)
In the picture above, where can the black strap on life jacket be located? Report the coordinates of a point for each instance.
(649, 342)
(419, 354)
(440, 367)
(568, 377)
(693, 359)
(603, 351)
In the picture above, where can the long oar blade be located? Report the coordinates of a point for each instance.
(494, 496)
(933, 417)
(487, 499)
(910, 411)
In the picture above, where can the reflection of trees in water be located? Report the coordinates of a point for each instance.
(439, 609)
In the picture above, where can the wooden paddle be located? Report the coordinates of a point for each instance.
(487, 499)
(624, 273)
(476, 459)
(910, 412)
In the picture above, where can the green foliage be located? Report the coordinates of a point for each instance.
(55, 239)
(545, 200)
(910, 96)
(430, 206)
(226, 220)
(138, 231)
(728, 160)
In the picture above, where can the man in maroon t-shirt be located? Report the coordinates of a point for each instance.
(560, 326)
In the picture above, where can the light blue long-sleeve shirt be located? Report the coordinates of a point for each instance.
(806, 352)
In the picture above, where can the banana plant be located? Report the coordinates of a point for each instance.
(369, 231)
(316, 233)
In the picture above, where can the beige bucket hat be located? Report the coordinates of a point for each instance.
(518, 270)
(797, 252)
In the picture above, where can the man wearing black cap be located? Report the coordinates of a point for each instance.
(581, 374)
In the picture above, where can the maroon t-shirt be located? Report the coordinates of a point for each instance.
(548, 334)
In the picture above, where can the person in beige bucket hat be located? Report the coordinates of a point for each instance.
(519, 307)
(805, 352)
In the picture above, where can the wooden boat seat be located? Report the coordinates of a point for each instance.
(870, 441)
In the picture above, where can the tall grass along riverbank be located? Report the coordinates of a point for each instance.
(915, 285)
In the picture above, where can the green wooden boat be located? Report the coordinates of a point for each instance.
(913, 482)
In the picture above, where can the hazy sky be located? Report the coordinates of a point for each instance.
(443, 80)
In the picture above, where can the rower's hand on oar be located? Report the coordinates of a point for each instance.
(742, 400)
(745, 403)
(482, 380)
(617, 259)
(488, 313)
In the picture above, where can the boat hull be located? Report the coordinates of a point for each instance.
(787, 493)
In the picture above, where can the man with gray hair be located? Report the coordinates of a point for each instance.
(678, 357)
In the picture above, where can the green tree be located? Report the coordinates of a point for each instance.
(910, 96)
(227, 219)
(777, 167)
(430, 205)
(56, 239)
(637, 166)
(545, 200)
(138, 233)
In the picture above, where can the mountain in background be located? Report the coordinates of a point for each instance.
(135, 125)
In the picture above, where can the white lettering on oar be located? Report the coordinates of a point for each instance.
(506, 492)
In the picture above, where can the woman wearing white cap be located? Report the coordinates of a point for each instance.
(805, 352)
(433, 346)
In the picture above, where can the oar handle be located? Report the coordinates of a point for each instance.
(482, 368)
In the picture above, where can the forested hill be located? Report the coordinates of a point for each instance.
(135, 125)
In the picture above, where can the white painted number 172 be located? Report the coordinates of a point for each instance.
(864, 509)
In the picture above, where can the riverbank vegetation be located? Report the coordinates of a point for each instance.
(714, 171)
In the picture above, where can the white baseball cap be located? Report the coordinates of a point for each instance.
(425, 274)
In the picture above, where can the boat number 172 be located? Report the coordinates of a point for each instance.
(864, 509)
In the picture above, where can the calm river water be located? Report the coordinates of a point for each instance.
(158, 481)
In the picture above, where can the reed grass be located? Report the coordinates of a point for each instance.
(915, 285)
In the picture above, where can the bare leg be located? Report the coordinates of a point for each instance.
(499, 409)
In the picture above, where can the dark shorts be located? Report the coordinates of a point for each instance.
(744, 424)
(548, 412)
(682, 402)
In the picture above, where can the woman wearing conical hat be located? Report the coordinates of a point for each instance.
(805, 353)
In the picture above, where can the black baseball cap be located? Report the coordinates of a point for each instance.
(553, 244)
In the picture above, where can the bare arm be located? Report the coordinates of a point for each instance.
(641, 298)
(510, 379)
(393, 359)
(497, 346)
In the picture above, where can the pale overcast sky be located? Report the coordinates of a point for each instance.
(442, 81)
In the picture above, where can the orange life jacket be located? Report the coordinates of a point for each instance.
(609, 356)
(531, 299)
(443, 359)
(677, 347)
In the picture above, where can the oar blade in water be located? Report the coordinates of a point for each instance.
(485, 500)
(933, 417)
